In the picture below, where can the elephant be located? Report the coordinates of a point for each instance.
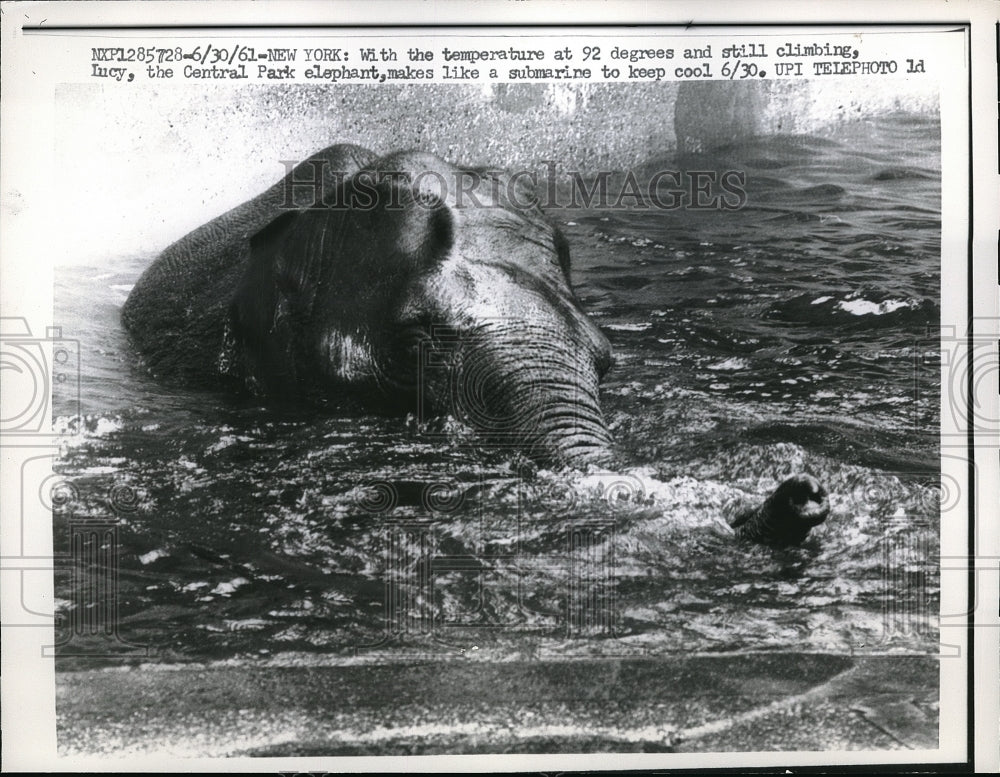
(406, 283)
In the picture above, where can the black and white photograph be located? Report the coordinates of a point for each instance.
(554, 395)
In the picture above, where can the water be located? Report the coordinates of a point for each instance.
(795, 334)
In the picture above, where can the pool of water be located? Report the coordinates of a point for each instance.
(796, 333)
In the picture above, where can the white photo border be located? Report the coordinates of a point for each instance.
(970, 210)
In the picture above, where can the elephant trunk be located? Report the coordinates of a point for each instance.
(536, 390)
(572, 437)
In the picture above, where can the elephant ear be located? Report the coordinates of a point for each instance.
(268, 306)
(359, 257)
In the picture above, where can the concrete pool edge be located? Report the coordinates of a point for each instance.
(763, 701)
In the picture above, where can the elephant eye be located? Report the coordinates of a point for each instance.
(409, 336)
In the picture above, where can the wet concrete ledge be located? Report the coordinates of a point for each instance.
(726, 703)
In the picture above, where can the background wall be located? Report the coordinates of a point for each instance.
(138, 169)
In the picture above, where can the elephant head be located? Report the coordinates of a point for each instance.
(428, 288)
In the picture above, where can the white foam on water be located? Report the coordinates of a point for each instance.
(684, 500)
(227, 440)
(99, 470)
(75, 431)
(732, 363)
(106, 426)
(228, 588)
(153, 555)
(639, 327)
(864, 307)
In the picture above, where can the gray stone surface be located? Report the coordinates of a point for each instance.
(764, 701)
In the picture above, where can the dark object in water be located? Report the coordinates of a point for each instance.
(786, 516)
